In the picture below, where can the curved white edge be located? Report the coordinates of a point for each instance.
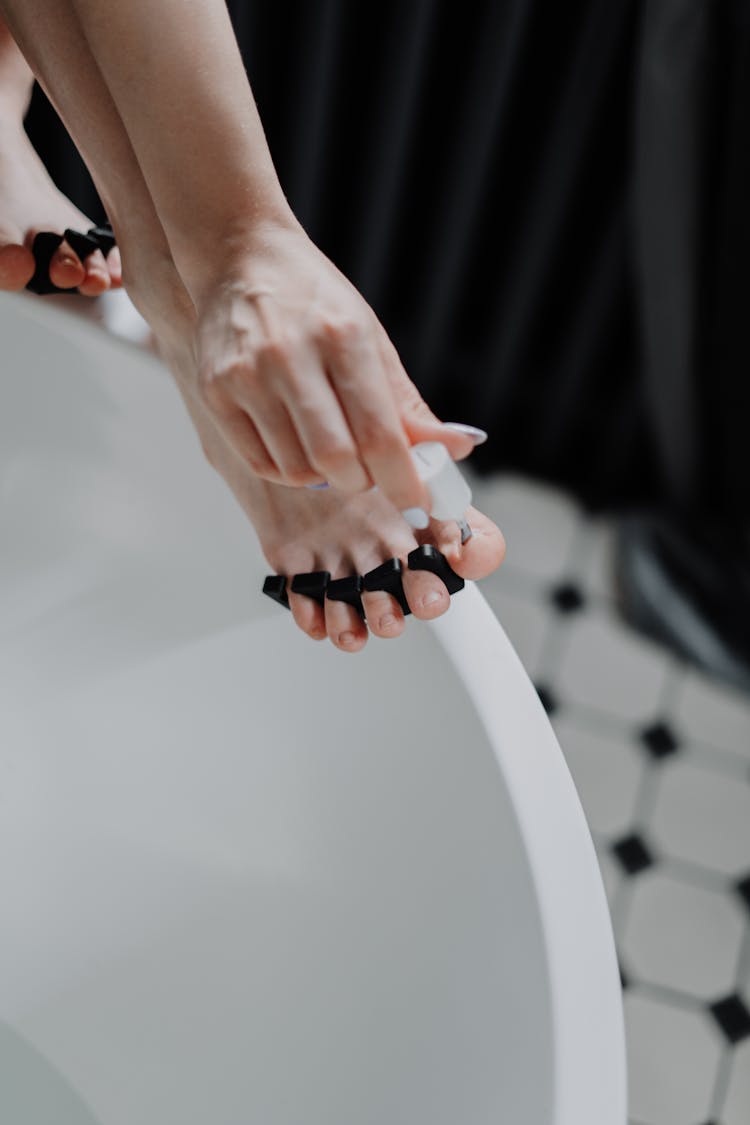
(585, 995)
(590, 1070)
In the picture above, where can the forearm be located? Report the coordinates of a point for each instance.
(178, 81)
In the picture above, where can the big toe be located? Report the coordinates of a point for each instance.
(480, 555)
(16, 262)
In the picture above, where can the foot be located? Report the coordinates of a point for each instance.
(29, 201)
(302, 530)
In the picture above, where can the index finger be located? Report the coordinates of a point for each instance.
(360, 380)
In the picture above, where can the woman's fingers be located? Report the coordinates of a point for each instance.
(357, 373)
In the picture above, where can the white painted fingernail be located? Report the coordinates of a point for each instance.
(479, 437)
(416, 518)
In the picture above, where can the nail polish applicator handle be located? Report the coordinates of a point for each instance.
(450, 493)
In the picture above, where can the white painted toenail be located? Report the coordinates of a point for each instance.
(431, 598)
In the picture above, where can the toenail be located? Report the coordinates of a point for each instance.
(347, 638)
(387, 621)
(431, 598)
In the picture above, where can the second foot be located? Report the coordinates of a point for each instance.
(30, 204)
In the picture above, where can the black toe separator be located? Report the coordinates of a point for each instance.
(387, 577)
(275, 587)
(347, 590)
(312, 585)
(43, 247)
(429, 558)
(103, 237)
(83, 244)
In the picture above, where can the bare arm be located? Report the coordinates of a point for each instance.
(297, 371)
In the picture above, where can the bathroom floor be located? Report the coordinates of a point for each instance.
(661, 759)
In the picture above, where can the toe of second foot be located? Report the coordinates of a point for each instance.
(16, 267)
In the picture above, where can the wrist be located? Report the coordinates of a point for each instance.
(219, 254)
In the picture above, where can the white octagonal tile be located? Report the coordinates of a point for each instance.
(673, 1057)
(607, 772)
(682, 936)
(539, 524)
(714, 714)
(524, 620)
(703, 817)
(607, 667)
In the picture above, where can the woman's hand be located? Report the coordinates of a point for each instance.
(301, 377)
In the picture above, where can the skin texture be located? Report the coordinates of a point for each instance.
(30, 203)
(292, 364)
(298, 529)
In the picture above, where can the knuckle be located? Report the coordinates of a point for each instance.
(275, 351)
(216, 384)
(342, 331)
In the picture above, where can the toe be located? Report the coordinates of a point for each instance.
(16, 263)
(384, 616)
(345, 627)
(476, 558)
(114, 265)
(65, 268)
(97, 278)
(426, 594)
(308, 615)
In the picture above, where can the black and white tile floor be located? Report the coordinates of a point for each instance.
(661, 760)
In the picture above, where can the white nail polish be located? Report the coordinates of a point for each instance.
(416, 518)
(479, 437)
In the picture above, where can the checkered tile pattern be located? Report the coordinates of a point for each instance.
(661, 759)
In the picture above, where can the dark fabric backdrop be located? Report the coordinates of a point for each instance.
(545, 205)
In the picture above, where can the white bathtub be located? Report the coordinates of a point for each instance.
(246, 879)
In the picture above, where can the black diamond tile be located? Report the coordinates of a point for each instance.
(659, 740)
(732, 1016)
(567, 597)
(633, 854)
(546, 698)
(743, 890)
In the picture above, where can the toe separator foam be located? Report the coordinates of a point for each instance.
(312, 585)
(274, 587)
(43, 247)
(387, 577)
(347, 590)
(429, 558)
(103, 237)
(83, 244)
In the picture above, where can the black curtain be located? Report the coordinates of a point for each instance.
(545, 205)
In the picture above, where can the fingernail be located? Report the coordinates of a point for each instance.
(416, 518)
(325, 484)
(479, 437)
